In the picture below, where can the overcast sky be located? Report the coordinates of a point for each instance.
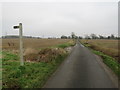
(53, 19)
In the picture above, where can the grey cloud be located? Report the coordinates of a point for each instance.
(56, 19)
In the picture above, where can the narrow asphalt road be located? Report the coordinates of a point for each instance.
(80, 70)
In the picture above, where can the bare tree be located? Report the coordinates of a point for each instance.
(94, 36)
(73, 35)
(112, 36)
(63, 37)
(101, 37)
(80, 37)
(87, 37)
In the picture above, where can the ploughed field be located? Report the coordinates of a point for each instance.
(109, 47)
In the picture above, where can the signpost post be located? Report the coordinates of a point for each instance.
(21, 42)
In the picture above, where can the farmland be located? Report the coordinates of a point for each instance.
(42, 57)
(10, 44)
(109, 47)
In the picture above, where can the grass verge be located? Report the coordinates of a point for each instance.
(32, 74)
(108, 60)
(71, 43)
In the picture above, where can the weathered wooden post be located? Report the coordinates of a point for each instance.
(21, 43)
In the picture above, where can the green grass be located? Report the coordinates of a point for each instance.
(65, 45)
(31, 75)
(108, 60)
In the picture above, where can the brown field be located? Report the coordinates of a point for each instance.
(10, 44)
(109, 47)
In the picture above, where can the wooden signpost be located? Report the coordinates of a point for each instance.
(21, 43)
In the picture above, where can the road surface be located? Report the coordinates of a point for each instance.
(80, 70)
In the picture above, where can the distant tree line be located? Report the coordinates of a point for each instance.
(94, 36)
(15, 36)
(91, 36)
(72, 36)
